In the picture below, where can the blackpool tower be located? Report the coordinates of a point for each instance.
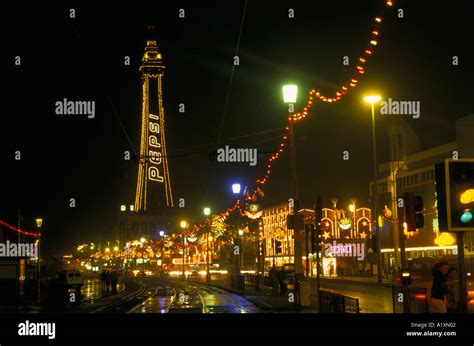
(153, 171)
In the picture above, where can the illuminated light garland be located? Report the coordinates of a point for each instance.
(338, 94)
(13, 228)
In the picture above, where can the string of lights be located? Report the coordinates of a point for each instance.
(13, 228)
(316, 95)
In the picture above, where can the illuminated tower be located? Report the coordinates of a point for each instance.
(153, 162)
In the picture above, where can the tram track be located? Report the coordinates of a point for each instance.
(163, 295)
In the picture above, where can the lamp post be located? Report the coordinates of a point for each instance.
(241, 252)
(290, 93)
(207, 212)
(162, 235)
(372, 100)
(183, 225)
(236, 262)
(352, 209)
(39, 224)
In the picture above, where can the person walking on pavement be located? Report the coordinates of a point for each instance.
(107, 280)
(274, 280)
(282, 277)
(113, 282)
(103, 281)
(439, 288)
(452, 291)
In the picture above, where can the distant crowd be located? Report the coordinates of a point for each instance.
(278, 280)
(109, 280)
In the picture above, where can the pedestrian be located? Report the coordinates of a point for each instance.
(103, 281)
(114, 281)
(107, 280)
(274, 280)
(282, 277)
(439, 288)
(452, 291)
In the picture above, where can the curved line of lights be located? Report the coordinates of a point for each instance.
(13, 228)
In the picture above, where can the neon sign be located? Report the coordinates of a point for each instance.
(154, 149)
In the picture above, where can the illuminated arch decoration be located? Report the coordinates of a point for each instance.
(363, 223)
(153, 160)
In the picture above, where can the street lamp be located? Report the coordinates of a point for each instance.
(235, 263)
(352, 209)
(207, 212)
(236, 188)
(162, 234)
(290, 93)
(39, 224)
(183, 225)
(372, 99)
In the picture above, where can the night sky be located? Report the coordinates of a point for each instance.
(83, 59)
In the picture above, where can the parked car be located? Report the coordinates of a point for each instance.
(68, 279)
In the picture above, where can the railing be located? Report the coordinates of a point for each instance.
(338, 303)
(409, 299)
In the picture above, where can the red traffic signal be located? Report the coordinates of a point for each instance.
(414, 217)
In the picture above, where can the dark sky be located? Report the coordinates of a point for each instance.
(82, 59)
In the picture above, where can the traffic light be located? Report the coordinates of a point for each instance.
(414, 217)
(458, 194)
(294, 221)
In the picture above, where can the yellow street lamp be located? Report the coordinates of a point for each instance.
(207, 211)
(372, 99)
(183, 225)
(39, 222)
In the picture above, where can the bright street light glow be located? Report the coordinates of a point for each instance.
(207, 211)
(162, 233)
(183, 224)
(123, 207)
(142, 240)
(241, 232)
(372, 98)
(116, 248)
(236, 188)
(351, 208)
(290, 93)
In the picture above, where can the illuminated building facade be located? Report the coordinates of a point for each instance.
(278, 239)
(153, 162)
